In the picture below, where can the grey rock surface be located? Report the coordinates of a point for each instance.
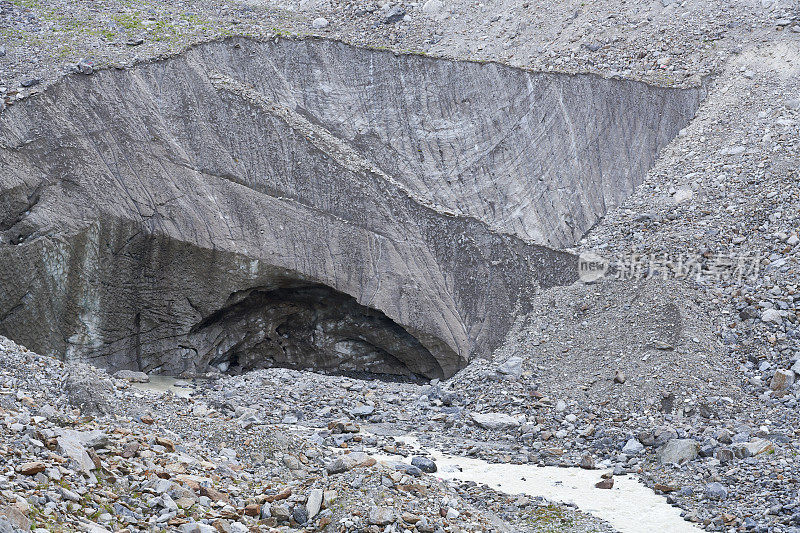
(300, 204)
(678, 451)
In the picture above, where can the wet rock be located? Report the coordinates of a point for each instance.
(425, 464)
(607, 483)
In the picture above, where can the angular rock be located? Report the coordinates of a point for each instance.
(381, 516)
(512, 367)
(88, 390)
(30, 469)
(781, 380)
(71, 447)
(343, 463)
(633, 447)
(314, 502)
(715, 491)
(132, 376)
(495, 421)
(678, 451)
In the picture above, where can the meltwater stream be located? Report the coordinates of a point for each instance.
(629, 506)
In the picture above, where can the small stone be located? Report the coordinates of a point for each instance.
(84, 67)
(587, 462)
(632, 447)
(252, 509)
(328, 498)
(31, 469)
(432, 7)
(132, 376)
(362, 411)
(213, 494)
(395, 14)
(724, 455)
(495, 421)
(300, 515)
(664, 487)
(381, 516)
(347, 462)
(512, 367)
(314, 502)
(30, 82)
(771, 315)
(605, 483)
(619, 377)
(782, 380)
(424, 464)
(320, 23)
(135, 42)
(409, 518)
(280, 512)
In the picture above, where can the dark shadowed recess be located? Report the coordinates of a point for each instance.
(313, 327)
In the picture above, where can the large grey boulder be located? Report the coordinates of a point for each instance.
(88, 389)
(306, 203)
(678, 451)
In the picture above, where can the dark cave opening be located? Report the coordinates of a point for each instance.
(312, 327)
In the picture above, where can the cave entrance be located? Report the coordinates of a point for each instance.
(312, 327)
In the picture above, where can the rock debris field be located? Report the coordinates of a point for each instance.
(264, 264)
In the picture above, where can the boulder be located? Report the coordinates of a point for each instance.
(512, 367)
(781, 380)
(632, 447)
(425, 464)
(496, 421)
(715, 491)
(314, 503)
(678, 451)
(132, 376)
